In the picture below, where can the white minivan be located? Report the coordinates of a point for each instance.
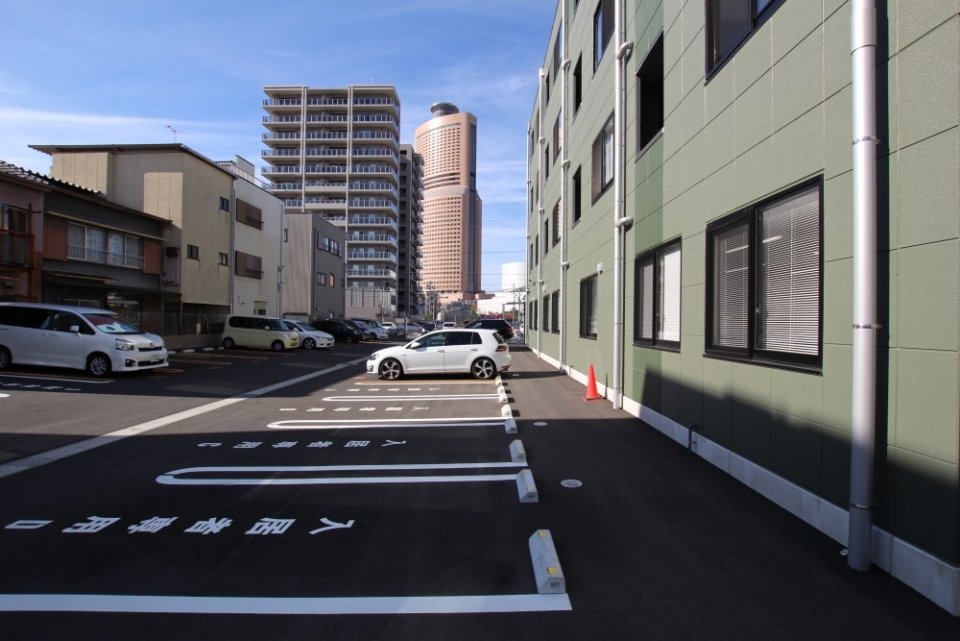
(258, 331)
(96, 340)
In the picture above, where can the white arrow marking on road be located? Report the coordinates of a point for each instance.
(342, 409)
(367, 409)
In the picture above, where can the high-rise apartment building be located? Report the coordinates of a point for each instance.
(335, 152)
(409, 290)
(452, 209)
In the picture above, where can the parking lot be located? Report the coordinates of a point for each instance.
(362, 508)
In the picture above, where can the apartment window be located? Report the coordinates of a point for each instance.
(536, 253)
(763, 283)
(556, 223)
(577, 84)
(546, 313)
(546, 162)
(555, 312)
(650, 97)
(546, 87)
(249, 214)
(557, 52)
(588, 307)
(557, 135)
(730, 23)
(656, 319)
(532, 314)
(248, 265)
(224, 258)
(193, 252)
(332, 280)
(546, 235)
(321, 279)
(603, 159)
(602, 30)
(224, 203)
(576, 188)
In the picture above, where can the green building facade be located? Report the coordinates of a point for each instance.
(693, 245)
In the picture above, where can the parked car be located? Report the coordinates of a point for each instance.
(310, 337)
(363, 328)
(258, 331)
(501, 326)
(448, 324)
(378, 332)
(428, 326)
(409, 330)
(481, 352)
(390, 327)
(97, 340)
(340, 331)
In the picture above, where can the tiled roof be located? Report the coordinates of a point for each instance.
(32, 176)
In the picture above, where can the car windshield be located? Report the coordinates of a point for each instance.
(113, 323)
(297, 327)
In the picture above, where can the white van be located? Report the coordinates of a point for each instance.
(258, 331)
(96, 340)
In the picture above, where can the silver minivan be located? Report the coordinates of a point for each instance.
(96, 340)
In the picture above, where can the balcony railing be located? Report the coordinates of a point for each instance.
(76, 252)
(372, 273)
(370, 255)
(281, 102)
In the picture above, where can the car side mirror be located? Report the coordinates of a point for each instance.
(414, 345)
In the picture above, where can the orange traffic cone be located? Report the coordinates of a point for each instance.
(591, 386)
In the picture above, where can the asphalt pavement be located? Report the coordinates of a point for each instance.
(654, 543)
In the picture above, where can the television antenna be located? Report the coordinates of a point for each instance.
(175, 132)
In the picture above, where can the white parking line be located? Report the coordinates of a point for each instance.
(269, 475)
(439, 397)
(30, 462)
(333, 424)
(486, 603)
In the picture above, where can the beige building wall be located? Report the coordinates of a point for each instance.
(171, 182)
(452, 222)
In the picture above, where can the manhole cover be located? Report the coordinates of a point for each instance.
(571, 483)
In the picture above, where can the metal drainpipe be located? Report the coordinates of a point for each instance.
(564, 167)
(540, 183)
(526, 295)
(863, 35)
(618, 219)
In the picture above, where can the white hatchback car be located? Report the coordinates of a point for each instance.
(481, 352)
(309, 336)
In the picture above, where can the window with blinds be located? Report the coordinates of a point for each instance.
(764, 281)
(657, 285)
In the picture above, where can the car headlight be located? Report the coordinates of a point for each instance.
(373, 357)
(125, 346)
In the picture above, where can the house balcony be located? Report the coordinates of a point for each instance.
(372, 255)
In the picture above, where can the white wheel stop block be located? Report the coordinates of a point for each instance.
(501, 389)
(506, 411)
(546, 564)
(510, 426)
(503, 399)
(517, 454)
(526, 487)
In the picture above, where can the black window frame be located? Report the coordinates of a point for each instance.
(750, 218)
(555, 312)
(577, 85)
(602, 30)
(599, 181)
(653, 258)
(193, 252)
(714, 58)
(588, 307)
(557, 225)
(649, 99)
(577, 192)
(545, 310)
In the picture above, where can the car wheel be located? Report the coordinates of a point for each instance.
(277, 346)
(353, 339)
(309, 343)
(483, 368)
(98, 365)
(390, 369)
(5, 358)
(228, 343)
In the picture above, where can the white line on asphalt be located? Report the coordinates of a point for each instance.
(30, 462)
(468, 604)
(397, 422)
(100, 381)
(426, 397)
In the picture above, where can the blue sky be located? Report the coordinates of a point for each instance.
(119, 71)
